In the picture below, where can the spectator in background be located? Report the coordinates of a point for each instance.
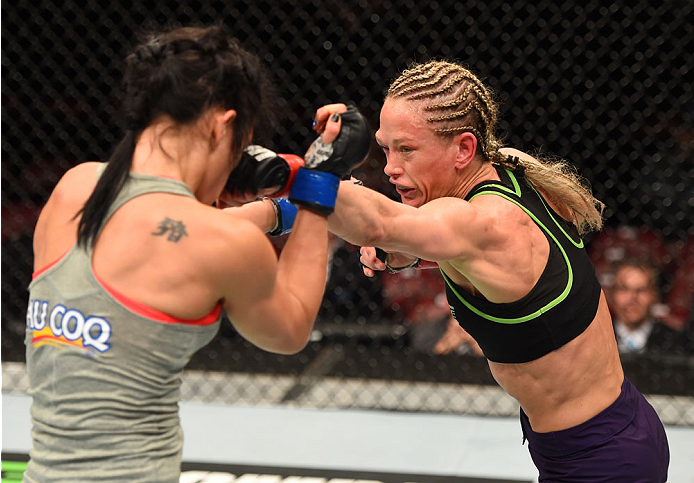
(613, 245)
(418, 296)
(634, 295)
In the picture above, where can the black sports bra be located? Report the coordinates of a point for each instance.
(560, 306)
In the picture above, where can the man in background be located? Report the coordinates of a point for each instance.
(634, 295)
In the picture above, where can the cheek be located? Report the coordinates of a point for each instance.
(646, 300)
(618, 301)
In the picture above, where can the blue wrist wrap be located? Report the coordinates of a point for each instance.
(285, 220)
(316, 190)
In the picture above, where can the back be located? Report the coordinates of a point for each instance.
(104, 370)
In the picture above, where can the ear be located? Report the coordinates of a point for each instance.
(466, 145)
(222, 122)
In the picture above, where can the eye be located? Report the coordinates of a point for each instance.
(405, 149)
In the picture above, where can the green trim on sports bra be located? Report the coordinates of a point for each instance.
(577, 245)
(517, 192)
(541, 310)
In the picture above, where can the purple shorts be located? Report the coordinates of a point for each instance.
(624, 443)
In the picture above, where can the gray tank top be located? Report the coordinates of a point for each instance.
(105, 381)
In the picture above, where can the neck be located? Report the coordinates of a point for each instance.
(475, 173)
(163, 150)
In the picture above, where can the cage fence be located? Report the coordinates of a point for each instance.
(605, 85)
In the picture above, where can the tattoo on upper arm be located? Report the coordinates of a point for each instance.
(176, 229)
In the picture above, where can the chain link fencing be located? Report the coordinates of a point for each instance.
(607, 86)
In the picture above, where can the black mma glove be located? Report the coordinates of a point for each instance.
(261, 168)
(316, 183)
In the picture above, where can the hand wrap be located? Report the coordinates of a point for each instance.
(285, 212)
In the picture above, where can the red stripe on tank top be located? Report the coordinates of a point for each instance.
(151, 313)
(43, 269)
(142, 309)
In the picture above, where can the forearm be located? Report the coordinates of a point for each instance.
(302, 270)
(361, 215)
(260, 213)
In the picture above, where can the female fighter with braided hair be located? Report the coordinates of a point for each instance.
(505, 230)
(134, 267)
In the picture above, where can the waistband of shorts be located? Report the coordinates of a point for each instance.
(590, 433)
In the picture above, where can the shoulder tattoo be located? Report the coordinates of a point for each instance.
(175, 229)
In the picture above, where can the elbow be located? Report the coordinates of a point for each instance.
(291, 345)
(292, 340)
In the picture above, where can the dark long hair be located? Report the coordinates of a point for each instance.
(180, 74)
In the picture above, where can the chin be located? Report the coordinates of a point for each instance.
(412, 203)
(414, 199)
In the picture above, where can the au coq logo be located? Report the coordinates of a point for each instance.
(62, 326)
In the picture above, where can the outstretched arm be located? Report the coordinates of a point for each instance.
(441, 230)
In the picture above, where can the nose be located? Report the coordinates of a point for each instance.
(391, 168)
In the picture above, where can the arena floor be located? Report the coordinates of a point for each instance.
(269, 444)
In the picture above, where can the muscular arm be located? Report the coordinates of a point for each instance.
(443, 229)
(273, 303)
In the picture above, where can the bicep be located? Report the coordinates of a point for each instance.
(260, 308)
(441, 230)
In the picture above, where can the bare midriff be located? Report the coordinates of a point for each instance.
(571, 384)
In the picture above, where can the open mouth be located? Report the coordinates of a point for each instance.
(403, 191)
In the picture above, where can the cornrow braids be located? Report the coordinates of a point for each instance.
(427, 81)
(412, 73)
(472, 104)
(456, 101)
(464, 103)
(450, 83)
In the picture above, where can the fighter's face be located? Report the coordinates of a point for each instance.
(416, 158)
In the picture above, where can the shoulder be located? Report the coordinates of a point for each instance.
(496, 210)
(77, 183)
(468, 217)
(81, 173)
(471, 228)
(72, 190)
(54, 230)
